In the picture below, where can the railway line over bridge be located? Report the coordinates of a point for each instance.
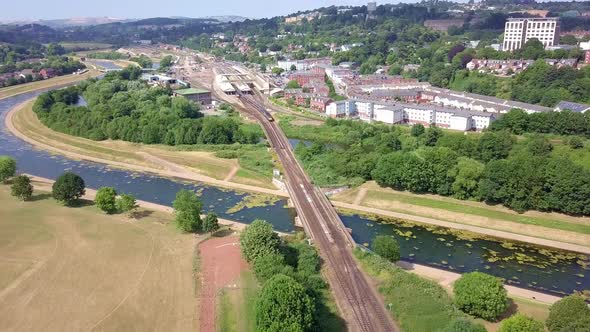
(358, 301)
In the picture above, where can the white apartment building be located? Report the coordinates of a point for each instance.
(341, 109)
(518, 31)
(396, 113)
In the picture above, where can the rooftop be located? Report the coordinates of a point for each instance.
(190, 91)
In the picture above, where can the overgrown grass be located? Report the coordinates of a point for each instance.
(417, 304)
(321, 134)
(478, 211)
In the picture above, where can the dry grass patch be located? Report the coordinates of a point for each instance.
(78, 269)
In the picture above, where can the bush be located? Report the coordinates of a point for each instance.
(581, 324)
(566, 311)
(269, 265)
(126, 203)
(21, 187)
(106, 199)
(68, 188)
(386, 247)
(211, 223)
(7, 168)
(258, 239)
(521, 323)
(187, 208)
(283, 305)
(480, 295)
(464, 325)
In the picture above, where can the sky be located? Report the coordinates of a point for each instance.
(53, 9)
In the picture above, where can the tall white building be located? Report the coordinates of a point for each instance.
(520, 30)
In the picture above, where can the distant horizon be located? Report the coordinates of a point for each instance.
(135, 9)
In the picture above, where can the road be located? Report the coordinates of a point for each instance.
(358, 300)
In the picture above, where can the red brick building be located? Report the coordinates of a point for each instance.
(306, 77)
(48, 73)
(320, 103)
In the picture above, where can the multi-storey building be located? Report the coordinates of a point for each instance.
(520, 30)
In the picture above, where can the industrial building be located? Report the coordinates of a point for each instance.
(197, 95)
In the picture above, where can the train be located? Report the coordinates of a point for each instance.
(267, 114)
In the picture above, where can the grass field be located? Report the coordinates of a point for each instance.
(85, 45)
(236, 310)
(202, 162)
(22, 88)
(566, 228)
(68, 269)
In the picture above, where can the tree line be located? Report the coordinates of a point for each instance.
(493, 167)
(120, 107)
(560, 123)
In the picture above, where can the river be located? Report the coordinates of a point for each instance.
(527, 266)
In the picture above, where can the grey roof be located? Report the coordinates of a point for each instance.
(574, 107)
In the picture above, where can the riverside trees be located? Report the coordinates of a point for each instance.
(119, 107)
(528, 174)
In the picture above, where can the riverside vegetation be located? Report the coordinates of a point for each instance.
(522, 173)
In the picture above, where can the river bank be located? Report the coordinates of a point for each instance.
(443, 277)
(172, 170)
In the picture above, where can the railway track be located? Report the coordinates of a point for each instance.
(357, 299)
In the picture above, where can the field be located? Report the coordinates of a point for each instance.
(545, 225)
(60, 80)
(72, 46)
(68, 269)
(156, 157)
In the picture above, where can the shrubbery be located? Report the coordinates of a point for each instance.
(480, 295)
(106, 199)
(521, 323)
(258, 239)
(386, 247)
(7, 168)
(566, 312)
(21, 187)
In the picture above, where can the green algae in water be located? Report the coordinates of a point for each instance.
(252, 201)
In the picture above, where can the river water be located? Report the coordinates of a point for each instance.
(527, 266)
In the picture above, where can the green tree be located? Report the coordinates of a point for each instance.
(258, 239)
(565, 311)
(106, 199)
(480, 295)
(166, 62)
(269, 265)
(283, 305)
(432, 135)
(126, 203)
(211, 223)
(467, 174)
(582, 324)
(575, 142)
(187, 209)
(7, 168)
(417, 130)
(293, 85)
(521, 323)
(277, 71)
(68, 188)
(494, 145)
(21, 187)
(464, 325)
(386, 247)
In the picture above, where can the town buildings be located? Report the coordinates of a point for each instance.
(514, 66)
(518, 31)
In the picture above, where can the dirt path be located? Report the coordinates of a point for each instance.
(167, 173)
(221, 265)
(231, 173)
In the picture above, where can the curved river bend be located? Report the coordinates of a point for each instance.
(527, 266)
